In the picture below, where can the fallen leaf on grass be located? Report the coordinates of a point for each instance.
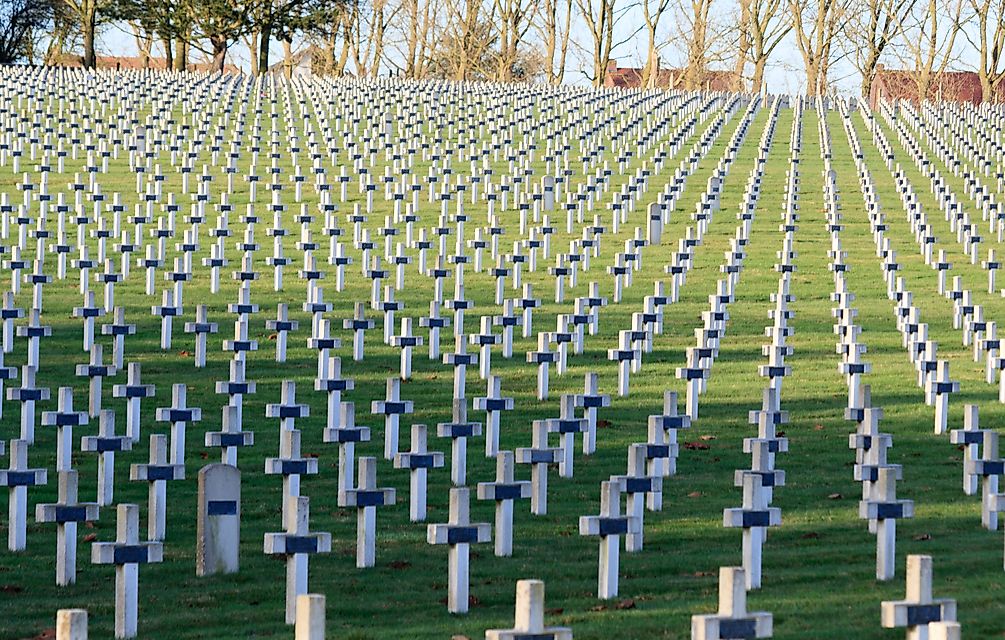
(11, 588)
(703, 574)
(695, 494)
(707, 437)
(400, 564)
(203, 455)
(555, 612)
(185, 354)
(696, 446)
(818, 427)
(272, 336)
(603, 424)
(921, 537)
(780, 434)
(812, 535)
(834, 496)
(623, 605)
(598, 607)
(45, 634)
(91, 537)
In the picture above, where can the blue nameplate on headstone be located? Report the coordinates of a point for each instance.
(292, 467)
(301, 544)
(130, 554)
(105, 445)
(369, 498)
(920, 614)
(755, 519)
(508, 492)
(160, 473)
(538, 456)
(221, 508)
(179, 415)
(612, 526)
(462, 535)
(67, 419)
(737, 629)
(889, 511)
(70, 514)
(638, 485)
(291, 412)
(593, 402)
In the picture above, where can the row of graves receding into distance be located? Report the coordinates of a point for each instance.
(501, 230)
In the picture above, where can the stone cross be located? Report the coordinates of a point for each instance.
(754, 517)
(418, 461)
(460, 359)
(529, 622)
(459, 533)
(918, 609)
(291, 465)
(202, 327)
(34, 331)
(95, 371)
(970, 437)
(567, 425)
(543, 358)
(17, 478)
(637, 484)
(539, 455)
(105, 444)
(133, 391)
(391, 408)
(297, 543)
(884, 507)
(28, 394)
(126, 553)
(989, 468)
(236, 387)
(504, 491)
(591, 400)
(346, 434)
(939, 387)
(88, 311)
(118, 329)
(218, 528)
(366, 497)
(64, 419)
(459, 430)
(359, 325)
(406, 341)
(484, 340)
(167, 310)
(493, 403)
(434, 322)
(157, 473)
(281, 326)
(610, 525)
(732, 620)
(66, 512)
(178, 414)
(670, 422)
(288, 411)
(231, 436)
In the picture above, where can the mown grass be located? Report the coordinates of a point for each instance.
(818, 567)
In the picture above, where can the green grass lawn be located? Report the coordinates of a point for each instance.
(819, 567)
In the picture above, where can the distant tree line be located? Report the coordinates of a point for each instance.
(535, 40)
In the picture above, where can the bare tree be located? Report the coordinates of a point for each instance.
(817, 24)
(652, 13)
(599, 18)
(85, 12)
(418, 26)
(554, 29)
(767, 26)
(871, 27)
(929, 41)
(515, 18)
(468, 37)
(21, 23)
(989, 16)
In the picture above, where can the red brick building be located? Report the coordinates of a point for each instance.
(631, 77)
(949, 86)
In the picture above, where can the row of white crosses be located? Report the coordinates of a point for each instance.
(757, 483)
(879, 505)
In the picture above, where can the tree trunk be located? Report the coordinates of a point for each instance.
(253, 53)
(757, 80)
(265, 40)
(181, 55)
(168, 55)
(219, 45)
(87, 26)
(287, 58)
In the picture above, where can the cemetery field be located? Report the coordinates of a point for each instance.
(819, 566)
